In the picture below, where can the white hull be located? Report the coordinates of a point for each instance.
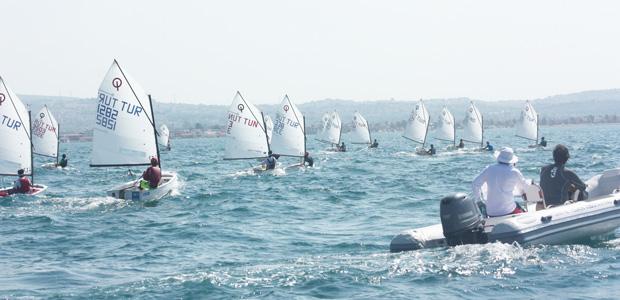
(572, 222)
(132, 191)
(36, 189)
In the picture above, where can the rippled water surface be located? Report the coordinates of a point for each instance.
(318, 232)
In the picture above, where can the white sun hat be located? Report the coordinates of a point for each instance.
(506, 155)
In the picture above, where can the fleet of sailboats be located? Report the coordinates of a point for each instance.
(125, 134)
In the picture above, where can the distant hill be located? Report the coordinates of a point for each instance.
(76, 114)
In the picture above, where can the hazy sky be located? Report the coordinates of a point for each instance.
(203, 51)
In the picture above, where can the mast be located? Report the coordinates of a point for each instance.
(482, 130)
(426, 132)
(262, 115)
(369, 136)
(536, 129)
(154, 130)
(454, 135)
(31, 147)
(57, 143)
(303, 159)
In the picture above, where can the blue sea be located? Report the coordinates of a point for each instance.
(321, 232)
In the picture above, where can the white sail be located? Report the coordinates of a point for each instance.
(417, 125)
(45, 133)
(15, 147)
(164, 135)
(331, 128)
(361, 132)
(473, 125)
(446, 126)
(527, 127)
(269, 127)
(246, 135)
(123, 132)
(289, 132)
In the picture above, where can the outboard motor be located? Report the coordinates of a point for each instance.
(461, 220)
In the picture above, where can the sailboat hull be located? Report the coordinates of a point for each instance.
(132, 191)
(34, 190)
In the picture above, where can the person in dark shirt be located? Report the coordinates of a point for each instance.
(374, 144)
(489, 147)
(543, 142)
(432, 150)
(270, 162)
(152, 175)
(558, 183)
(308, 159)
(461, 145)
(342, 148)
(63, 161)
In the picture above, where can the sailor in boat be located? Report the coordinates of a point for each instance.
(431, 150)
(63, 161)
(341, 148)
(502, 179)
(488, 147)
(374, 144)
(22, 185)
(151, 176)
(558, 183)
(461, 145)
(308, 159)
(270, 162)
(543, 142)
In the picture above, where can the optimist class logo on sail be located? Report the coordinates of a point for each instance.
(109, 107)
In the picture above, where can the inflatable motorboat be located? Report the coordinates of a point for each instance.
(463, 223)
(132, 191)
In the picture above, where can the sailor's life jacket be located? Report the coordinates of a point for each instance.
(270, 163)
(22, 185)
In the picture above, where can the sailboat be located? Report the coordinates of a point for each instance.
(332, 130)
(45, 136)
(164, 137)
(289, 131)
(269, 128)
(125, 134)
(15, 134)
(246, 134)
(361, 130)
(446, 129)
(417, 127)
(527, 126)
(474, 126)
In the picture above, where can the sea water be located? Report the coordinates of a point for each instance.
(319, 232)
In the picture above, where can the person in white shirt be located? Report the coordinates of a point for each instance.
(502, 179)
